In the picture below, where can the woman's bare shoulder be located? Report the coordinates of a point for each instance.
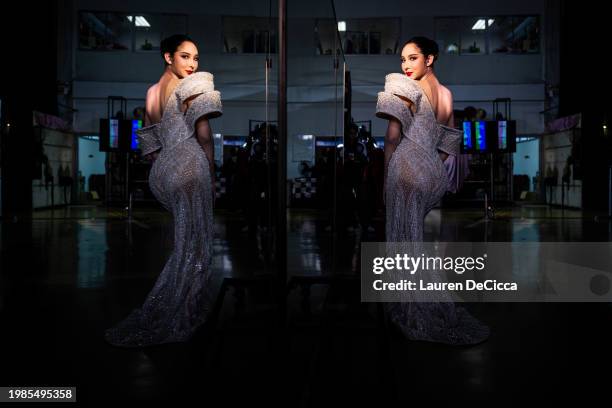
(152, 108)
(445, 106)
(446, 94)
(153, 89)
(445, 100)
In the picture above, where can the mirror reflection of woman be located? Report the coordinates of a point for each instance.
(178, 139)
(418, 141)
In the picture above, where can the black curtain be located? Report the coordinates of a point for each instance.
(585, 88)
(29, 58)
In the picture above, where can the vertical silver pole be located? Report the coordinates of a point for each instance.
(334, 225)
(342, 130)
(281, 223)
(268, 152)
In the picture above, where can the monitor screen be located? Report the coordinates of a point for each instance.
(113, 129)
(116, 135)
(481, 136)
(489, 136)
(136, 124)
(467, 136)
(502, 135)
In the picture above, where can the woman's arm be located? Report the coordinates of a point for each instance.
(392, 140)
(150, 101)
(204, 138)
(203, 135)
(446, 104)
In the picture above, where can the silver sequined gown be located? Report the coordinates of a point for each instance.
(416, 181)
(180, 179)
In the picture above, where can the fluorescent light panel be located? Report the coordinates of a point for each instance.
(481, 24)
(140, 21)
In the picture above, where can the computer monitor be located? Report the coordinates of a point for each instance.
(502, 134)
(136, 124)
(506, 136)
(489, 137)
(481, 136)
(115, 135)
(467, 145)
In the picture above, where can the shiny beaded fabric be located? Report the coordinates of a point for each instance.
(180, 179)
(416, 181)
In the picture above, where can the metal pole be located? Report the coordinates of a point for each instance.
(334, 226)
(107, 179)
(491, 181)
(610, 191)
(268, 141)
(281, 224)
(343, 130)
(127, 177)
(268, 156)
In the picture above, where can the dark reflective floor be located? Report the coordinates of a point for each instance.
(68, 274)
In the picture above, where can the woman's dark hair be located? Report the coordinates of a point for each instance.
(171, 44)
(428, 47)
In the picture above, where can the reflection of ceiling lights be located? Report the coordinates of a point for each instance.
(306, 137)
(341, 25)
(480, 24)
(140, 21)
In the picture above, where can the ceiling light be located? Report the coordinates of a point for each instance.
(480, 25)
(140, 21)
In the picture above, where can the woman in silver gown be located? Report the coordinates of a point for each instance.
(416, 146)
(181, 179)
